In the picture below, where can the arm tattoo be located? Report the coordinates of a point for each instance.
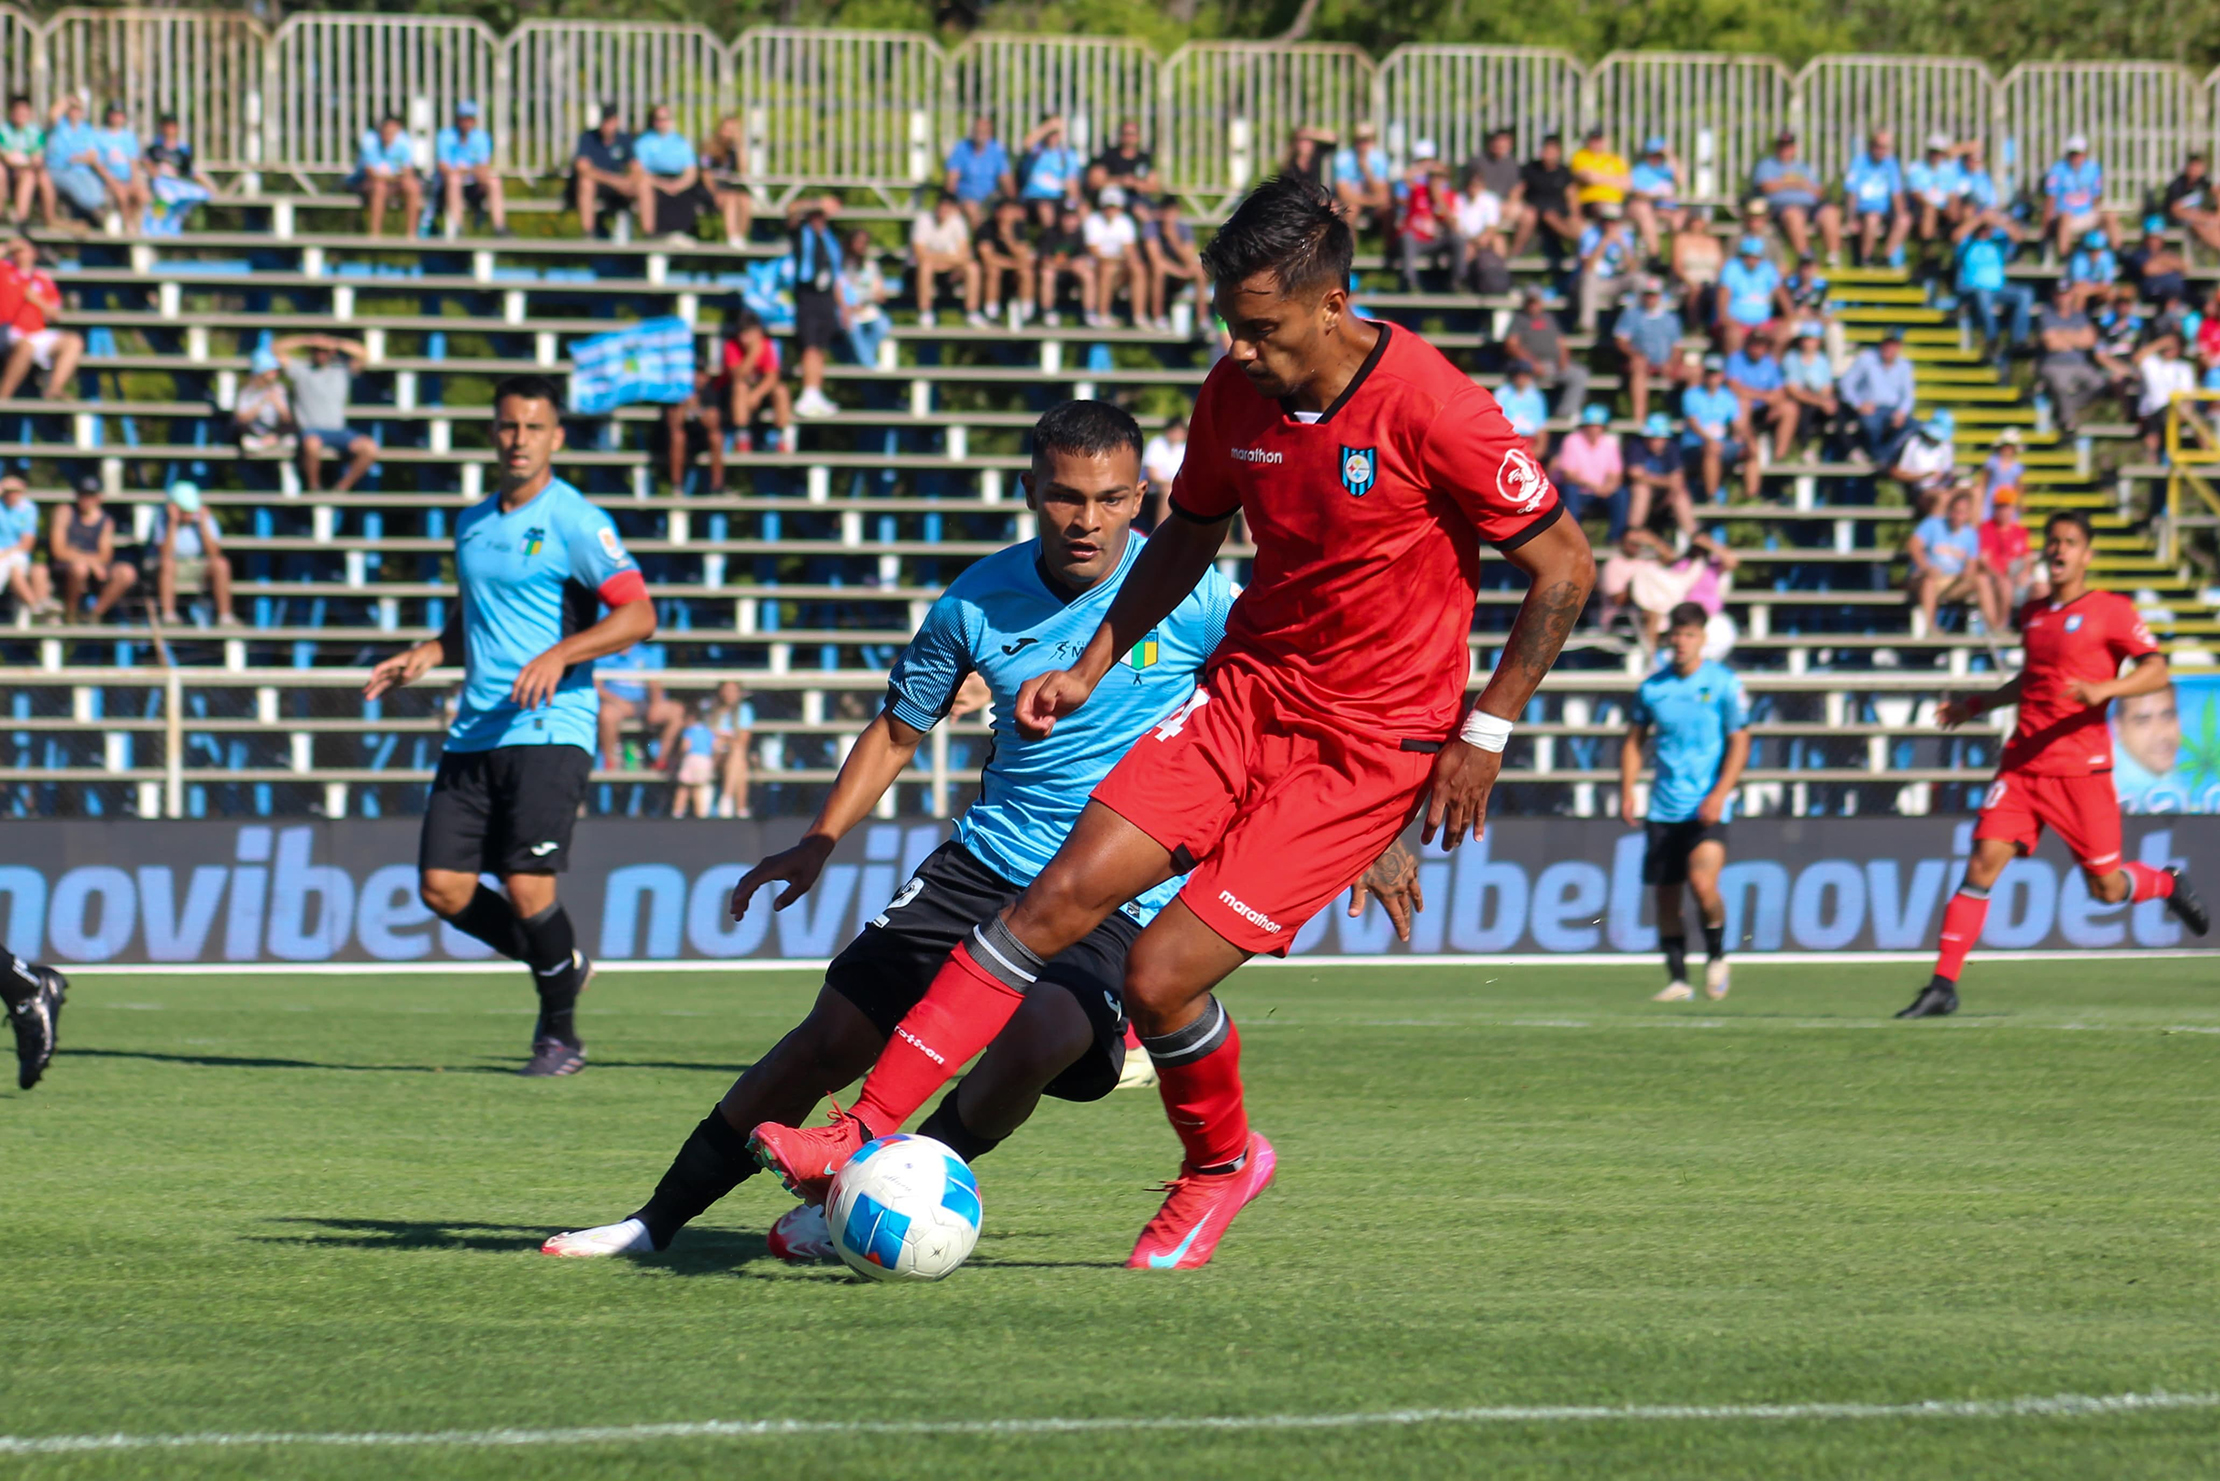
(1545, 620)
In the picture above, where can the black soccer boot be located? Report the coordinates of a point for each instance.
(1938, 999)
(37, 1020)
(551, 1057)
(2184, 906)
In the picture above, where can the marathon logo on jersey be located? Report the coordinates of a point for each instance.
(1253, 917)
(1255, 455)
(1360, 469)
(1520, 482)
(534, 538)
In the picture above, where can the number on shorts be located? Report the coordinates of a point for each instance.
(1177, 721)
(1996, 795)
(907, 893)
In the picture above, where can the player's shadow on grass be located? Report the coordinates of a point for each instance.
(262, 1062)
(408, 1234)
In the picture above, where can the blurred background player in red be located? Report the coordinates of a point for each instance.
(1369, 470)
(2056, 771)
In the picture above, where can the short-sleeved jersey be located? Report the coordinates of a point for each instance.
(17, 521)
(2085, 639)
(530, 578)
(1001, 620)
(1367, 523)
(1691, 716)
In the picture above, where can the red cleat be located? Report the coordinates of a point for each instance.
(1186, 1230)
(806, 1159)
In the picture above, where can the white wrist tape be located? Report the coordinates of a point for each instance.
(1488, 732)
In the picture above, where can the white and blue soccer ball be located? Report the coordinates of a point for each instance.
(904, 1208)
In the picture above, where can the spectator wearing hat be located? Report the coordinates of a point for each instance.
(174, 180)
(1589, 471)
(190, 557)
(1421, 200)
(2073, 196)
(1526, 408)
(81, 548)
(1878, 390)
(1653, 196)
(2018, 576)
(1363, 181)
(604, 172)
(2188, 199)
(1754, 373)
(464, 154)
(1808, 386)
(1926, 462)
(321, 369)
(73, 159)
(1647, 337)
(23, 578)
(2066, 369)
(1657, 476)
(1600, 173)
(1946, 566)
(1114, 242)
(29, 298)
(1536, 342)
(262, 412)
(1716, 433)
(2155, 267)
(23, 176)
(1874, 187)
(977, 170)
(1792, 197)
(1048, 173)
(1608, 258)
(1749, 293)
(2162, 374)
(2000, 306)
(1935, 184)
(385, 176)
(2092, 263)
(2001, 472)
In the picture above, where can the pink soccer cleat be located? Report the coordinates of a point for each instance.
(1198, 1211)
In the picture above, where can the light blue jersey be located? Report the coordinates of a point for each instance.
(1001, 619)
(16, 522)
(1691, 719)
(531, 578)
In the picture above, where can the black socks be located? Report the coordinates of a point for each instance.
(550, 949)
(713, 1162)
(1715, 940)
(492, 920)
(946, 1126)
(1676, 957)
(19, 980)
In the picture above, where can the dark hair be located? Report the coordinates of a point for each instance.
(2075, 518)
(15, 98)
(528, 388)
(1687, 614)
(1088, 429)
(165, 119)
(1287, 227)
(393, 118)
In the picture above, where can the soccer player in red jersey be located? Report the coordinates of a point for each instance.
(1370, 470)
(2056, 771)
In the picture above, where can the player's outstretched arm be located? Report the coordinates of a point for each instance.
(619, 628)
(877, 760)
(1561, 571)
(1955, 712)
(1174, 559)
(414, 663)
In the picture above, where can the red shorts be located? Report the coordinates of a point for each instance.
(2084, 811)
(1279, 811)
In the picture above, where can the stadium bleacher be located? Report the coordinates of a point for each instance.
(802, 580)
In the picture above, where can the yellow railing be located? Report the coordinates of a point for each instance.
(2192, 459)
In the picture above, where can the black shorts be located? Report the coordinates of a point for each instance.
(816, 319)
(887, 968)
(504, 811)
(1665, 861)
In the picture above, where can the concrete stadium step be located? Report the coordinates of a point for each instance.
(1840, 292)
(1890, 315)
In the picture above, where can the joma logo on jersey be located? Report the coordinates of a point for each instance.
(1254, 455)
(1360, 469)
(534, 538)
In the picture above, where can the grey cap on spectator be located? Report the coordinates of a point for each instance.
(2077, 143)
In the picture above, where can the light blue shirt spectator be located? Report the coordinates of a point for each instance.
(67, 140)
(456, 150)
(1871, 382)
(1616, 256)
(1873, 184)
(1759, 373)
(1049, 174)
(1937, 182)
(118, 149)
(1949, 551)
(1980, 188)
(2075, 190)
(1981, 262)
(663, 153)
(1525, 409)
(1774, 169)
(978, 168)
(2092, 265)
(1709, 413)
(1750, 287)
(374, 154)
(1348, 168)
(1654, 333)
(16, 522)
(1808, 372)
(1654, 178)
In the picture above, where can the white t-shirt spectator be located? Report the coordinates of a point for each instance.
(1109, 234)
(941, 238)
(1479, 212)
(1925, 463)
(2162, 377)
(1160, 460)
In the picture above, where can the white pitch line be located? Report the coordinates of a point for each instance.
(2055, 1406)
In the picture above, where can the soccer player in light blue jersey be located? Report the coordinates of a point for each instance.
(1694, 705)
(1019, 613)
(536, 564)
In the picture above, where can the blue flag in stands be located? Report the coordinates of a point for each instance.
(652, 360)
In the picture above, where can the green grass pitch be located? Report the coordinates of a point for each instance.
(311, 1205)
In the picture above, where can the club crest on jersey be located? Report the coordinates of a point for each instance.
(1143, 654)
(534, 538)
(1520, 482)
(2073, 623)
(1360, 469)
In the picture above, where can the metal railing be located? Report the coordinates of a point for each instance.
(841, 107)
(1457, 95)
(1231, 106)
(1840, 100)
(2139, 117)
(2192, 466)
(331, 77)
(1093, 83)
(1718, 114)
(571, 69)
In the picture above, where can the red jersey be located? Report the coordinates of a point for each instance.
(1368, 523)
(2084, 639)
(2002, 544)
(26, 299)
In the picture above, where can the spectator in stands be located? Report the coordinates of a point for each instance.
(2164, 374)
(1803, 299)
(119, 160)
(1526, 409)
(1005, 251)
(1608, 256)
(1062, 251)
(670, 194)
(2092, 262)
(864, 292)
(1048, 172)
(1983, 202)
(1126, 165)
(189, 554)
(25, 579)
(814, 251)
(174, 181)
(2000, 306)
(262, 413)
(2117, 315)
(1646, 580)
(321, 370)
(724, 167)
(1874, 188)
(1791, 195)
(1536, 342)
(978, 170)
(705, 409)
(1547, 190)
(1364, 182)
(1647, 337)
(1657, 476)
(2188, 199)
(2018, 577)
(2001, 472)
(1878, 390)
(2156, 268)
(757, 390)
(1160, 464)
(1945, 555)
(1168, 243)
(73, 159)
(23, 176)
(627, 693)
(694, 775)
(1589, 472)
(2073, 196)
(1808, 382)
(385, 176)
(1499, 173)
(1653, 196)
(1755, 375)
(1926, 462)
(1481, 260)
(1310, 156)
(2067, 370)
(940, 243)
(1717, 435)
(1421, 200)
(29, 297)
(1936, 186)
(1749, 293)
(464, 153)
(1114, 242)
(731, 720)
(1600, 174)
(604, 172)
(1698, 258)
(81, 548)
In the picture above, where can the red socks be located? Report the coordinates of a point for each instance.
(2148, 883)
(1962, 920)
(959, 1015)
(1203, 1099)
